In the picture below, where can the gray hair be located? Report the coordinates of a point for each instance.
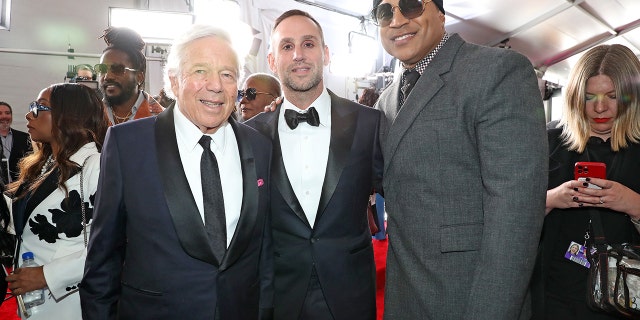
(177, 51)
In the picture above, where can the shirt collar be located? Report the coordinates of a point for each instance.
(136, 105)
(188, 133)
(422, 64)
(322, 104)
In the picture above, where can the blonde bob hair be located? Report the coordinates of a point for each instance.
(622, 66)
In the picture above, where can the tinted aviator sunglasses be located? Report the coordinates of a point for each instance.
(251, 93)
(35, 107)
(117, 69)
(410, 9)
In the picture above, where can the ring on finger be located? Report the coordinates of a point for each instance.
(601, 200)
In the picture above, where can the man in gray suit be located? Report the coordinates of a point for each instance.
(465, 171)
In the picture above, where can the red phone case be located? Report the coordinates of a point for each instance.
(590, 170)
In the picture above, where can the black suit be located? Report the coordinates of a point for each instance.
(339, 245)
(21, 146)
(146, 217)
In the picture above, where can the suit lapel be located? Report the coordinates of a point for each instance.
(425, 89)
(279, 177)
(343, 125)
(23, 208)
(182, 205)
(250, 196)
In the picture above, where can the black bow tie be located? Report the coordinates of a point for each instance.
(293, 117)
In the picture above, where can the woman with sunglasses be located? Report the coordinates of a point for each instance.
(67, 124)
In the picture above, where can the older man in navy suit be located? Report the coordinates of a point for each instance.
(181, 218)
(327, 161)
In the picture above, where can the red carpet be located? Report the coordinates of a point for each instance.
(8, 308)
(380, 256)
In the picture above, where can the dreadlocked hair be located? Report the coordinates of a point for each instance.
(128, 41)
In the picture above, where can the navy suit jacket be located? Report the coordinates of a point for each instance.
(149, 257)
(339, 245)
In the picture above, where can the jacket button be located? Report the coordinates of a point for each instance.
(314, 240)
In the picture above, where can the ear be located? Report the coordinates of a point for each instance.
(139, 78)
(327, 56)
(175, 86)
(272, 63)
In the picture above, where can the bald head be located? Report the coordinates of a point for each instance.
(267, 88)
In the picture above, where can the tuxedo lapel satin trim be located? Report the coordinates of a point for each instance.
(249, 211)
(343, 126)
(182, 205)
(279, 176)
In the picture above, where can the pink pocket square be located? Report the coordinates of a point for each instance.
(260, 182)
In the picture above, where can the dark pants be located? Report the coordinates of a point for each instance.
(315, 306)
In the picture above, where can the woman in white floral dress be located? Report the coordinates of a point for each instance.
(68, 125)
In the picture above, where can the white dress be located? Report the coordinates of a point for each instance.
(55, 236)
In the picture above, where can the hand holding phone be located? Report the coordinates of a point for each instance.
(583, 170)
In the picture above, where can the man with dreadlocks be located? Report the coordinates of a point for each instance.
(121, 75)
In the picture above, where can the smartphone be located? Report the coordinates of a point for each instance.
(583, 170)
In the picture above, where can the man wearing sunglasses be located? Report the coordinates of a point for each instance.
(121, 75)
(326, 162)
(465, 170)
(258, 91)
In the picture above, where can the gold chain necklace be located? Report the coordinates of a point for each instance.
(118, 119)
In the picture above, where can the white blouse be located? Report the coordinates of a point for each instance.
(54, 234)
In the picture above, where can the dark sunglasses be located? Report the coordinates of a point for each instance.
(410, 9)
(35, 107)
(117, 69)
(251, 93)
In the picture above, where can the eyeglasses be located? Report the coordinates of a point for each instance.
(117, 69)
(410, 9)
(35, 107)
(251, 93)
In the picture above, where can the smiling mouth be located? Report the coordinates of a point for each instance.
(111, 86)
(403, 37)
(212, 103)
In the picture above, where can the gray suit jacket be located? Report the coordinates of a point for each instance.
(465, 178)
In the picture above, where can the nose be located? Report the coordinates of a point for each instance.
(297, 54)
(600, 105)
(213, 83)
(397, 18)
(107, 75)
(28, 116)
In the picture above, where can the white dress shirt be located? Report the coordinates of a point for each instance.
(305, 151)
(225, 148)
